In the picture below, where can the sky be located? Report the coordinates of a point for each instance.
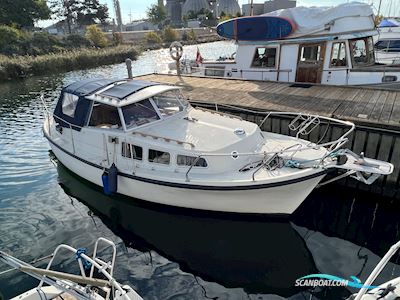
(136, 9)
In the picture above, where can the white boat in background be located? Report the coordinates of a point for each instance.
(387, 44)
(330, 45)
(144, 140)
(389, 290)
(61, 285)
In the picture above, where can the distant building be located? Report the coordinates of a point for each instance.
(228, 7)
(258, 9)
(267, 6)
(177, 9)
(139, 25)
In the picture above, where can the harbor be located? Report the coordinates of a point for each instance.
(264, 165)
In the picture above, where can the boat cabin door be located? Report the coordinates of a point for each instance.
(310, 63)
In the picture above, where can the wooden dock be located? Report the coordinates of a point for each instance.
(376, 112)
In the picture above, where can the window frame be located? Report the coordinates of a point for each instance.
(87, 123)
(366, 40)
(158, 163)
(345, 53)
(124, 143)
(261, 67)
(186, 166)
(310, 45)
(75, 99)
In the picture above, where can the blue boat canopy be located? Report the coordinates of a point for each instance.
(388, 23)
(123, 90)
(73, 107)
(88, 86)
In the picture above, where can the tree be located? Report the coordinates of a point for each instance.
(66, 10)
(92, 12)
(28, 13)
(96, 36)
(157, 15)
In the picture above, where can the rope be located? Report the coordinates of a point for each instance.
(86, 264)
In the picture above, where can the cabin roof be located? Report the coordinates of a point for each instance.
(88, 86)
(117, 92)
(121, 90)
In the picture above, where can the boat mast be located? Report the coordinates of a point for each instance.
(251, 7)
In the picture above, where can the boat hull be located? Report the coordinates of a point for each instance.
(284, 198)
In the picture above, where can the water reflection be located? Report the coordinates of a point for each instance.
(261, 256)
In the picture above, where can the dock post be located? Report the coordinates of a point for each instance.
(128, 63)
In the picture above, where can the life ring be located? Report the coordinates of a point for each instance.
(176, 51)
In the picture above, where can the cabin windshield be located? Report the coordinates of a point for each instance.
(362, 51)
(139, 113)
(170, 103)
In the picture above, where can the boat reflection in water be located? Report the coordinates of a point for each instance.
(258, 255)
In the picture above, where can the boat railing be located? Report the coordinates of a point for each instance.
(302, 123)
(70, 283)
(193, 70)
(378, 269)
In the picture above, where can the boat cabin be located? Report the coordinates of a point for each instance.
(105, 121)
(116, 105)
(329, 46)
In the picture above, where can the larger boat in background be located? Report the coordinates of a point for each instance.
(144, 140)
(327, 45)
(387, 44)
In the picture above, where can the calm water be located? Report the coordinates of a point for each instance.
(168, 253)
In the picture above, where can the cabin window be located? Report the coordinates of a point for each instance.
(69, 103)
(338, 58)
(388, 45)
(184, 160)
(131, 151)
(139, 113)
(159, 157)
(264, 58)
(310, 53)
(104, 116)
(362, 51)
(168, 103)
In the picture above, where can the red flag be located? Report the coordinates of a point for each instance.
(199, 58)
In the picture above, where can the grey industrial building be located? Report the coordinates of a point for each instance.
(176, 9)
(267, 6)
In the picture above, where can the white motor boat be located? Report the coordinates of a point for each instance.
(329, 45)
(87, 285)
(387, 291)
(387, 45)
(144, 140)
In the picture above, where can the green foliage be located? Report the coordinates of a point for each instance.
(225, 17)
(42, 43)
(23, 13)
(11, 40)
(117, 38)
(189, 36)
(204, 13)
(192, 35)
(170, 34)
(157, 15)
(76, 41)
(96, 36)
(153, 38)
(21, 66)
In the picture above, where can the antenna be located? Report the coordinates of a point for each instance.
(117, 9)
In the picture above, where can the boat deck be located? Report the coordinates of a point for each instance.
(363, 106)
(376, 112)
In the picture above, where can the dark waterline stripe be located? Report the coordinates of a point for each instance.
(194, 186)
